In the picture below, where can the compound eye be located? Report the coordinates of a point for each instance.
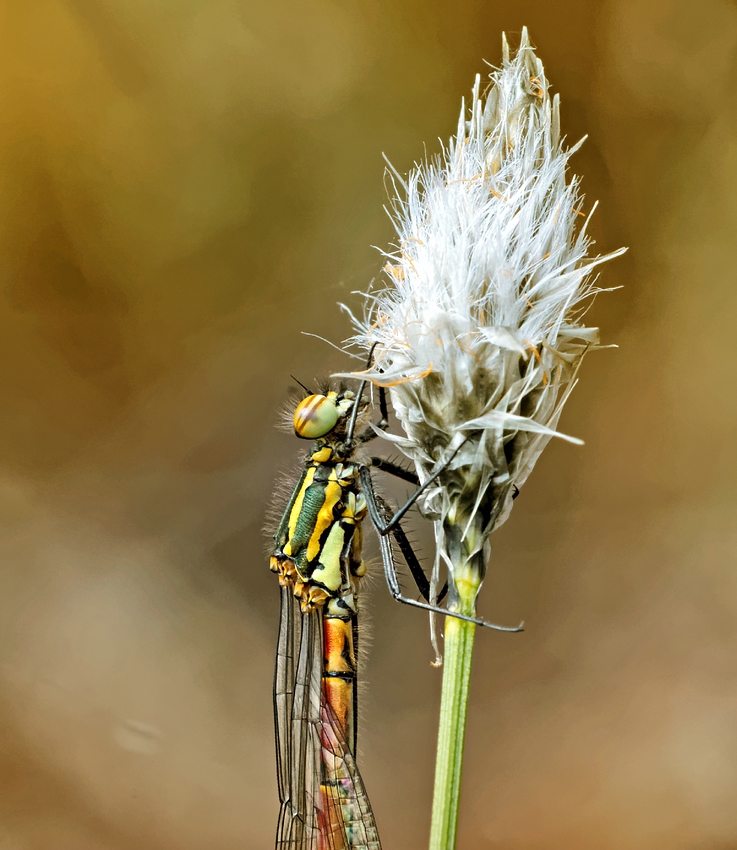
(315, 416)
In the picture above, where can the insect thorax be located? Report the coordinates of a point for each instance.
(318, 543)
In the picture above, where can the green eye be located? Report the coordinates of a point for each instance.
(315, 416)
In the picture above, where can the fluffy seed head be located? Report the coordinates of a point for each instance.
(479, 333)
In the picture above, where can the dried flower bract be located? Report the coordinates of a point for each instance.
(479, 334)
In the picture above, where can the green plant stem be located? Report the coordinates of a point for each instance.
(458, 644)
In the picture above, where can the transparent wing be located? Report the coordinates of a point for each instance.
(297, 708)
(323, 801)
(347, 815)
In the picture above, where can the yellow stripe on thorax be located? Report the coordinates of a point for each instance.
(297, 508)
(325, 518)
(329, 573)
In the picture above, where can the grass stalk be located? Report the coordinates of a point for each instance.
(458, 643)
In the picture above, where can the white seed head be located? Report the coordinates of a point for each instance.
(479, 332)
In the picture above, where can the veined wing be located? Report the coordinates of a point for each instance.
(323, 802)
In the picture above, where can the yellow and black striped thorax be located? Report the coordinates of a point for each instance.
(318, 542)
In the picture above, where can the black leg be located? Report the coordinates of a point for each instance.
(383, 409)
(367, 484)
(354, 413)
(368, 433)
(405, 547)
(390, 573)
(383, 423)
(387, 556)
(395, 469)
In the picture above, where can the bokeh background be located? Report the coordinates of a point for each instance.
(185, 186)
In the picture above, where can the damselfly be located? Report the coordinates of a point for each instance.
(318, 558)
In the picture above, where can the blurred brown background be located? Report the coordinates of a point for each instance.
(186, 185)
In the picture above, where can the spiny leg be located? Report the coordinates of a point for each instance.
(387, 556)
(368, 433)
(390, 572)
(382, 526)
(418, 574)
(395, 469)
(405, 547)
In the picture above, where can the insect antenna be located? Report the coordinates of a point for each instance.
(306, 389)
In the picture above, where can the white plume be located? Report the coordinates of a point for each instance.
(479, 334)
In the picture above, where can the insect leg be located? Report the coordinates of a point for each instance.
(395, 469)
(387, 557)
(405, 547)
(418, 574)
(354, 413)
(367, 484)
(369, 433)
(385, 525)
(383, 409)
(390, 571)
(383, 423)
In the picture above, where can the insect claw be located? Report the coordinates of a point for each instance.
(513, 629)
